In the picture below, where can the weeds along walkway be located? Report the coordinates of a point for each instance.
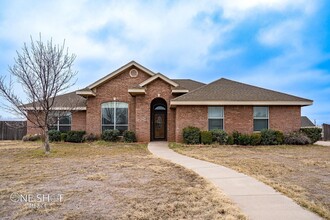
(257, 200)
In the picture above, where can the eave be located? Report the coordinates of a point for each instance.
(135, 92)
(86, 93)
(255, 103)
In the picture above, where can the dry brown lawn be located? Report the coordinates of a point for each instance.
(103, 181)
(300, 172)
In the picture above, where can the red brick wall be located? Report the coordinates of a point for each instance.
(78, 121)
(116, 88)
(285, 118)
(156, 89)
(238, 118)
(196, 116)
(32, 128)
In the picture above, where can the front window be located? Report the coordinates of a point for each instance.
(260, 118)
(215, 117)
(115, 116)
(62, 123)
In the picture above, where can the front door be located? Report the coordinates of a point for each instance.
(158, 120)
(159, 125)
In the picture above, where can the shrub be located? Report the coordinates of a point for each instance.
(279, 137)
(296, 138)
(191, 135)
(110, 135)
(90, 137)
(219, 136)
(129, 136)
(64, 136)
(255, 139)
(206, 137)
(75, 136)
(314, 134)
(54, 135)
(32, 137)
(230, 140)
(271, 137)
(236, 136)
(244, 139)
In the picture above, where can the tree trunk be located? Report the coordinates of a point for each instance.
(46, 143)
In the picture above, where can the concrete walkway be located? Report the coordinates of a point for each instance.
(323, 143)
(256, 200)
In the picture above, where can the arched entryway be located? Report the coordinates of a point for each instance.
(158, 120)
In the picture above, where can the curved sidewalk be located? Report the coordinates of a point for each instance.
(256, 200)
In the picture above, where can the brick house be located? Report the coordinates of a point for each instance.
(158, 108)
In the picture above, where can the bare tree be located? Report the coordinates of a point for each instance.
(43, 70)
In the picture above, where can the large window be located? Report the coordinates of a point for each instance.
(62, 123)
(215, 116)
(115, 116)
(260, 118)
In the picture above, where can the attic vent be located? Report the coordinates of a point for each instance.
(133, 73)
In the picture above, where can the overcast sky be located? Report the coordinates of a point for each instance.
(282, 45)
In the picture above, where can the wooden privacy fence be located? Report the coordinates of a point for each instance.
(12, 130)
(326, 132)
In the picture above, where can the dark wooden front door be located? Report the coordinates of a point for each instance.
(158, 120)
(159, 125)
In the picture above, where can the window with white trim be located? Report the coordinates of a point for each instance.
(62, 123)
(215, 117)
(115, 116)
(260, 118)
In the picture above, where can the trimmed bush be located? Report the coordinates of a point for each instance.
(219, 136)
(191, 135)
(255, 139)
(31, 137)
(64, 136)
(110, 135)
(90, 137)
(54, 135)
(244, 139)
(230, 140)
(75, 136)
(296, 138)
(271, 137)
(236, 136)
(206, 137)
(129, 136)
(314, 134)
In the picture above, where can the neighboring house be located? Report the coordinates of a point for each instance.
(158, 108)
(306, 122)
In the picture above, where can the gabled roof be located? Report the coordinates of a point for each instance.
(116, 72)
(306, 122)
(158, 76)
(228, 92)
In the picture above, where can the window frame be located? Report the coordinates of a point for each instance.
(260, 118)
(57, 124)
(219, 118)
(114, 125)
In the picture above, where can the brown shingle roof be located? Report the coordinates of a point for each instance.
(305, 122)
(188, 84)
(67, 100)
(228, 90)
